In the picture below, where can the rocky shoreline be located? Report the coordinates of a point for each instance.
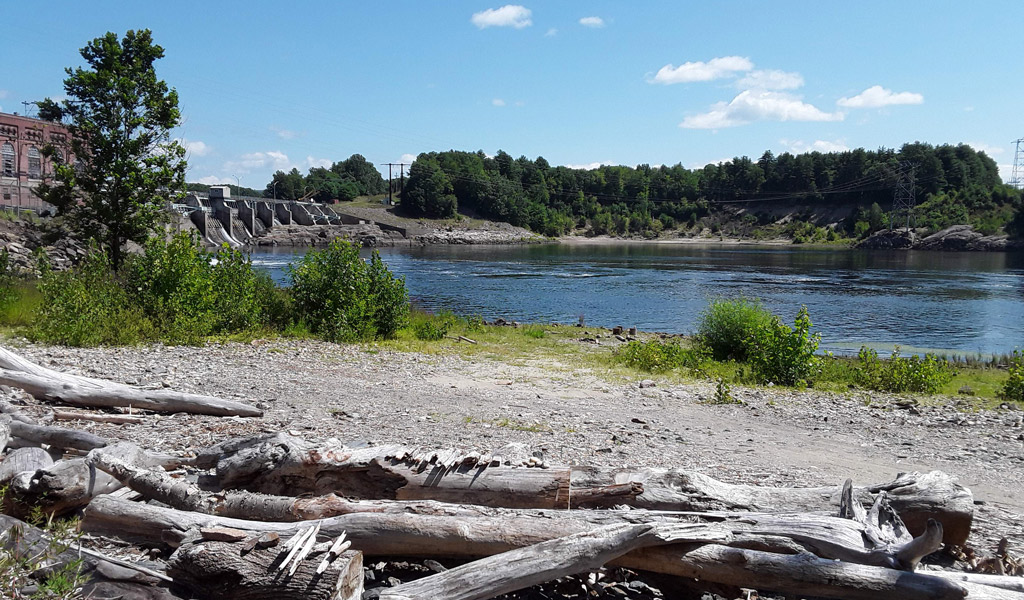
(958, 238)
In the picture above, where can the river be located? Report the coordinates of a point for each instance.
(954, 302)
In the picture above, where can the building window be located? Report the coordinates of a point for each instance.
(35, 163)
(8, 160)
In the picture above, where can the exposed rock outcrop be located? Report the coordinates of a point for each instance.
(24, 242)
(955, 238)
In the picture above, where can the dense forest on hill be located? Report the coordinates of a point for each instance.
(809, 197)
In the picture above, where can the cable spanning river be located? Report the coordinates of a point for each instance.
(956, 302)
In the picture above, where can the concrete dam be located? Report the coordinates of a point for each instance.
(248, 220)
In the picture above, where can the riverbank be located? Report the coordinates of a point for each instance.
(471, 396)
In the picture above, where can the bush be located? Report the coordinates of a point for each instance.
(902, 374)
(190, 293)
(86, 306)
(1013, 388)
(657, 356)
(342, 298)
(726, 326)
(782, 355)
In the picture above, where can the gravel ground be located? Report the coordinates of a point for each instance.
(777, 437)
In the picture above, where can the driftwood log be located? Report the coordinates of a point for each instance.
(47, 384)
(283, 464)
(696, 548)
(61, 415)
(5, 431)
(224, 570)
(57, 437)
(518, 569)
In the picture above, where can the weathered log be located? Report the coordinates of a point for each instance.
(524, 567)
(23, 460)
(222, 570)
(70, 484)
(5, 431)
(57, 436)
(76, 390)
(389, 534)
(765, 545)
(803, 574)
(61, 415)
(287, 465)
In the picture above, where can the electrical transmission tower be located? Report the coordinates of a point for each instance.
(903, 199)
(1017, 177)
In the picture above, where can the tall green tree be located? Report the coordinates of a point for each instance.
(428, 193)
(120, 116)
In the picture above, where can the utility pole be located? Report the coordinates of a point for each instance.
(903, 198)
(402, 188)
(1017, 176)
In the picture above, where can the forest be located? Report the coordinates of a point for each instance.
(954, 185)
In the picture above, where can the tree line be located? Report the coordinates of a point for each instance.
(344, 180)
(954, 184)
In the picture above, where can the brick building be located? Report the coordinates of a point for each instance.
(23, 165)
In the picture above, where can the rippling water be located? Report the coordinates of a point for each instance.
(964, 302)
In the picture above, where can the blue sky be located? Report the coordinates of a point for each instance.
(267, 86)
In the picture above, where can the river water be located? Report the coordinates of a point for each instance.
(955, 302)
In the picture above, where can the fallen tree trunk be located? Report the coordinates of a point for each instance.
(23, 460)
(768, 549)
(524, 567)
(389, 534)
(5, 431)
(68, 485)
(803, 574)
(285, 465)
(76, 390)
(224, 570)
(57, 436)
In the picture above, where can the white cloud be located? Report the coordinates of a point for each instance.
(986, 148)
(195, 148)
(590, 166)
(510, 15)
(876, 96)
(716, 68)
(285, 134)
(826, 146)
(407, 159)
(771, 79)
(212, 180)
(551, 32)
(752, 105)
(592, 22)
(498, 102)
(318, 162)
(271, 160)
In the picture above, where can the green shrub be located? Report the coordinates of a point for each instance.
(534, 332)
(1013, 388)
(342, 298)
(658, 356)
(190, 293)
(726, 326)
(902, 374)
(86, 306)
(781, 355)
